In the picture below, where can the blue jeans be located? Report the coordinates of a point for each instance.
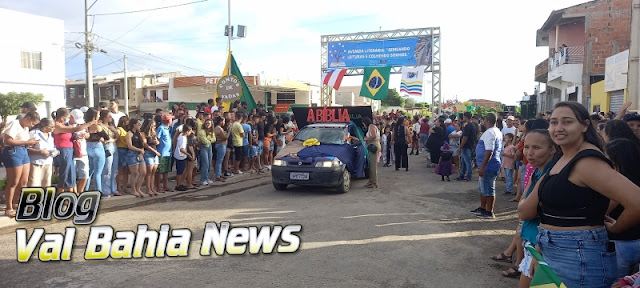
(487, 183)
(95, 151)
(205, 162)
(466, 164)
(423, 140)
(522, 172)
(579, 257)
(221, 150)
(508, 175)
(628, 255)
(110, 170)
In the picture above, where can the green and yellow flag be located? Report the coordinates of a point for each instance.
(544, 277)
(375, 84)
(231, 68)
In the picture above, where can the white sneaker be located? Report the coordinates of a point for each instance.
(205, 182)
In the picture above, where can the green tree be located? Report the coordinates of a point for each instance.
(10, 103)
(393, 99)
(518, 110)
(409, 103)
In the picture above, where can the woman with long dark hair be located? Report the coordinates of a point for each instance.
(151, 160)
(16, 158)
(435, 141)
(135, 157)
(220, 146)
(572, 200)
(625, 156)
(400, 141)
(207, 138)
(95, 150)
(615, 129)
(110, 171)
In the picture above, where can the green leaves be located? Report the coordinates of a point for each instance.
(10, 103)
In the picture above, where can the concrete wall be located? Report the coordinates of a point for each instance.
(28, 32)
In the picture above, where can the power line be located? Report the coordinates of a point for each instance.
(153, 9)
(93, 69)
(145, 53)
(134, 27)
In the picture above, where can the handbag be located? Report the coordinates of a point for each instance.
(107, 153)
(372, 148)
(77, 149)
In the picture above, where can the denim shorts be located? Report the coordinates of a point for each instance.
(122, 157)
(180, 166)
(246, 151)
(15, 156)
(82, 167)
(579, 257)
(151, 158)
(487, 183)
(132, 158)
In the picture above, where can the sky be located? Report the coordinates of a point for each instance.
(488, 48)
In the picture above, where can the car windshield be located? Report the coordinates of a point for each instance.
(324, 135)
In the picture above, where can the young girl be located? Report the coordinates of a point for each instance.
(385, 147)
(444, 167)
(181, 154)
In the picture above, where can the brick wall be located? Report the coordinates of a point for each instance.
(607, 32)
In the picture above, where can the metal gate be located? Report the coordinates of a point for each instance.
(616, 99)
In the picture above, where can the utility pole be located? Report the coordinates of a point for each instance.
(229, 27)
(87, 49)
(633, 75)
(126, 87)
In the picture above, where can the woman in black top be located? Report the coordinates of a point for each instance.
(625, 156)
(95, 150)
(572, 200)
(135, 156)
(400, 141)
(191, 160)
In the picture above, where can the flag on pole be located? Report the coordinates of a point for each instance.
(544, 277)
(375, 84)
(231, 68)
(411, 83)
(333, 77)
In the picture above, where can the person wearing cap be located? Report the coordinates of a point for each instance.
(101, 106)
(114, 108)
(633, 120)
(164, 148)
(84, 109)
(509, 128)
(63, 136)
(26, 108)
(80, 155)
(449, 128)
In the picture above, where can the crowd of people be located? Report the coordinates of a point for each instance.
(574, 175)
(103, 149)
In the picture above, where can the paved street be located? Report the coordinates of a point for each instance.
(415, 231)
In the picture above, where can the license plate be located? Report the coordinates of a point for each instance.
(299, 176)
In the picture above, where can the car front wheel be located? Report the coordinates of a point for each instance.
(345, 182)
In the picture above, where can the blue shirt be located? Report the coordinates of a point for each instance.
(450, 130)
(247, 131)
(491, 140)
(164, 137)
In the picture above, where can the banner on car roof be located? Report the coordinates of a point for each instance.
(344, 114)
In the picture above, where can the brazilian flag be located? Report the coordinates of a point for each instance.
(544, 277)
(375, 84)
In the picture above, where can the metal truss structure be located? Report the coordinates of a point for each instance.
(433, 68)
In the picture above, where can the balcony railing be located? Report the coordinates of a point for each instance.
(567, 55)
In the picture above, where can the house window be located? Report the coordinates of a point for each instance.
(286, 97)
(268, 96)
(72, 92)
(165, 95)
(31, 60)
(152, 96)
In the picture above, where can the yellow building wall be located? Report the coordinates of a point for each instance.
(599, 97)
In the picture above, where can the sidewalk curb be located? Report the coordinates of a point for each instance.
(130, 201)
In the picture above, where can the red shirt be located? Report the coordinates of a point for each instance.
(424, 128)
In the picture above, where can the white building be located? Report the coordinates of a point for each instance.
(32, 57)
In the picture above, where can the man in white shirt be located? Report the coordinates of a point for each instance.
(115, 114)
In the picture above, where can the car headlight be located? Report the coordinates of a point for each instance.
(279, 163)
(328, 164)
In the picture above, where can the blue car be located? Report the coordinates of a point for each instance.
(340, 157)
